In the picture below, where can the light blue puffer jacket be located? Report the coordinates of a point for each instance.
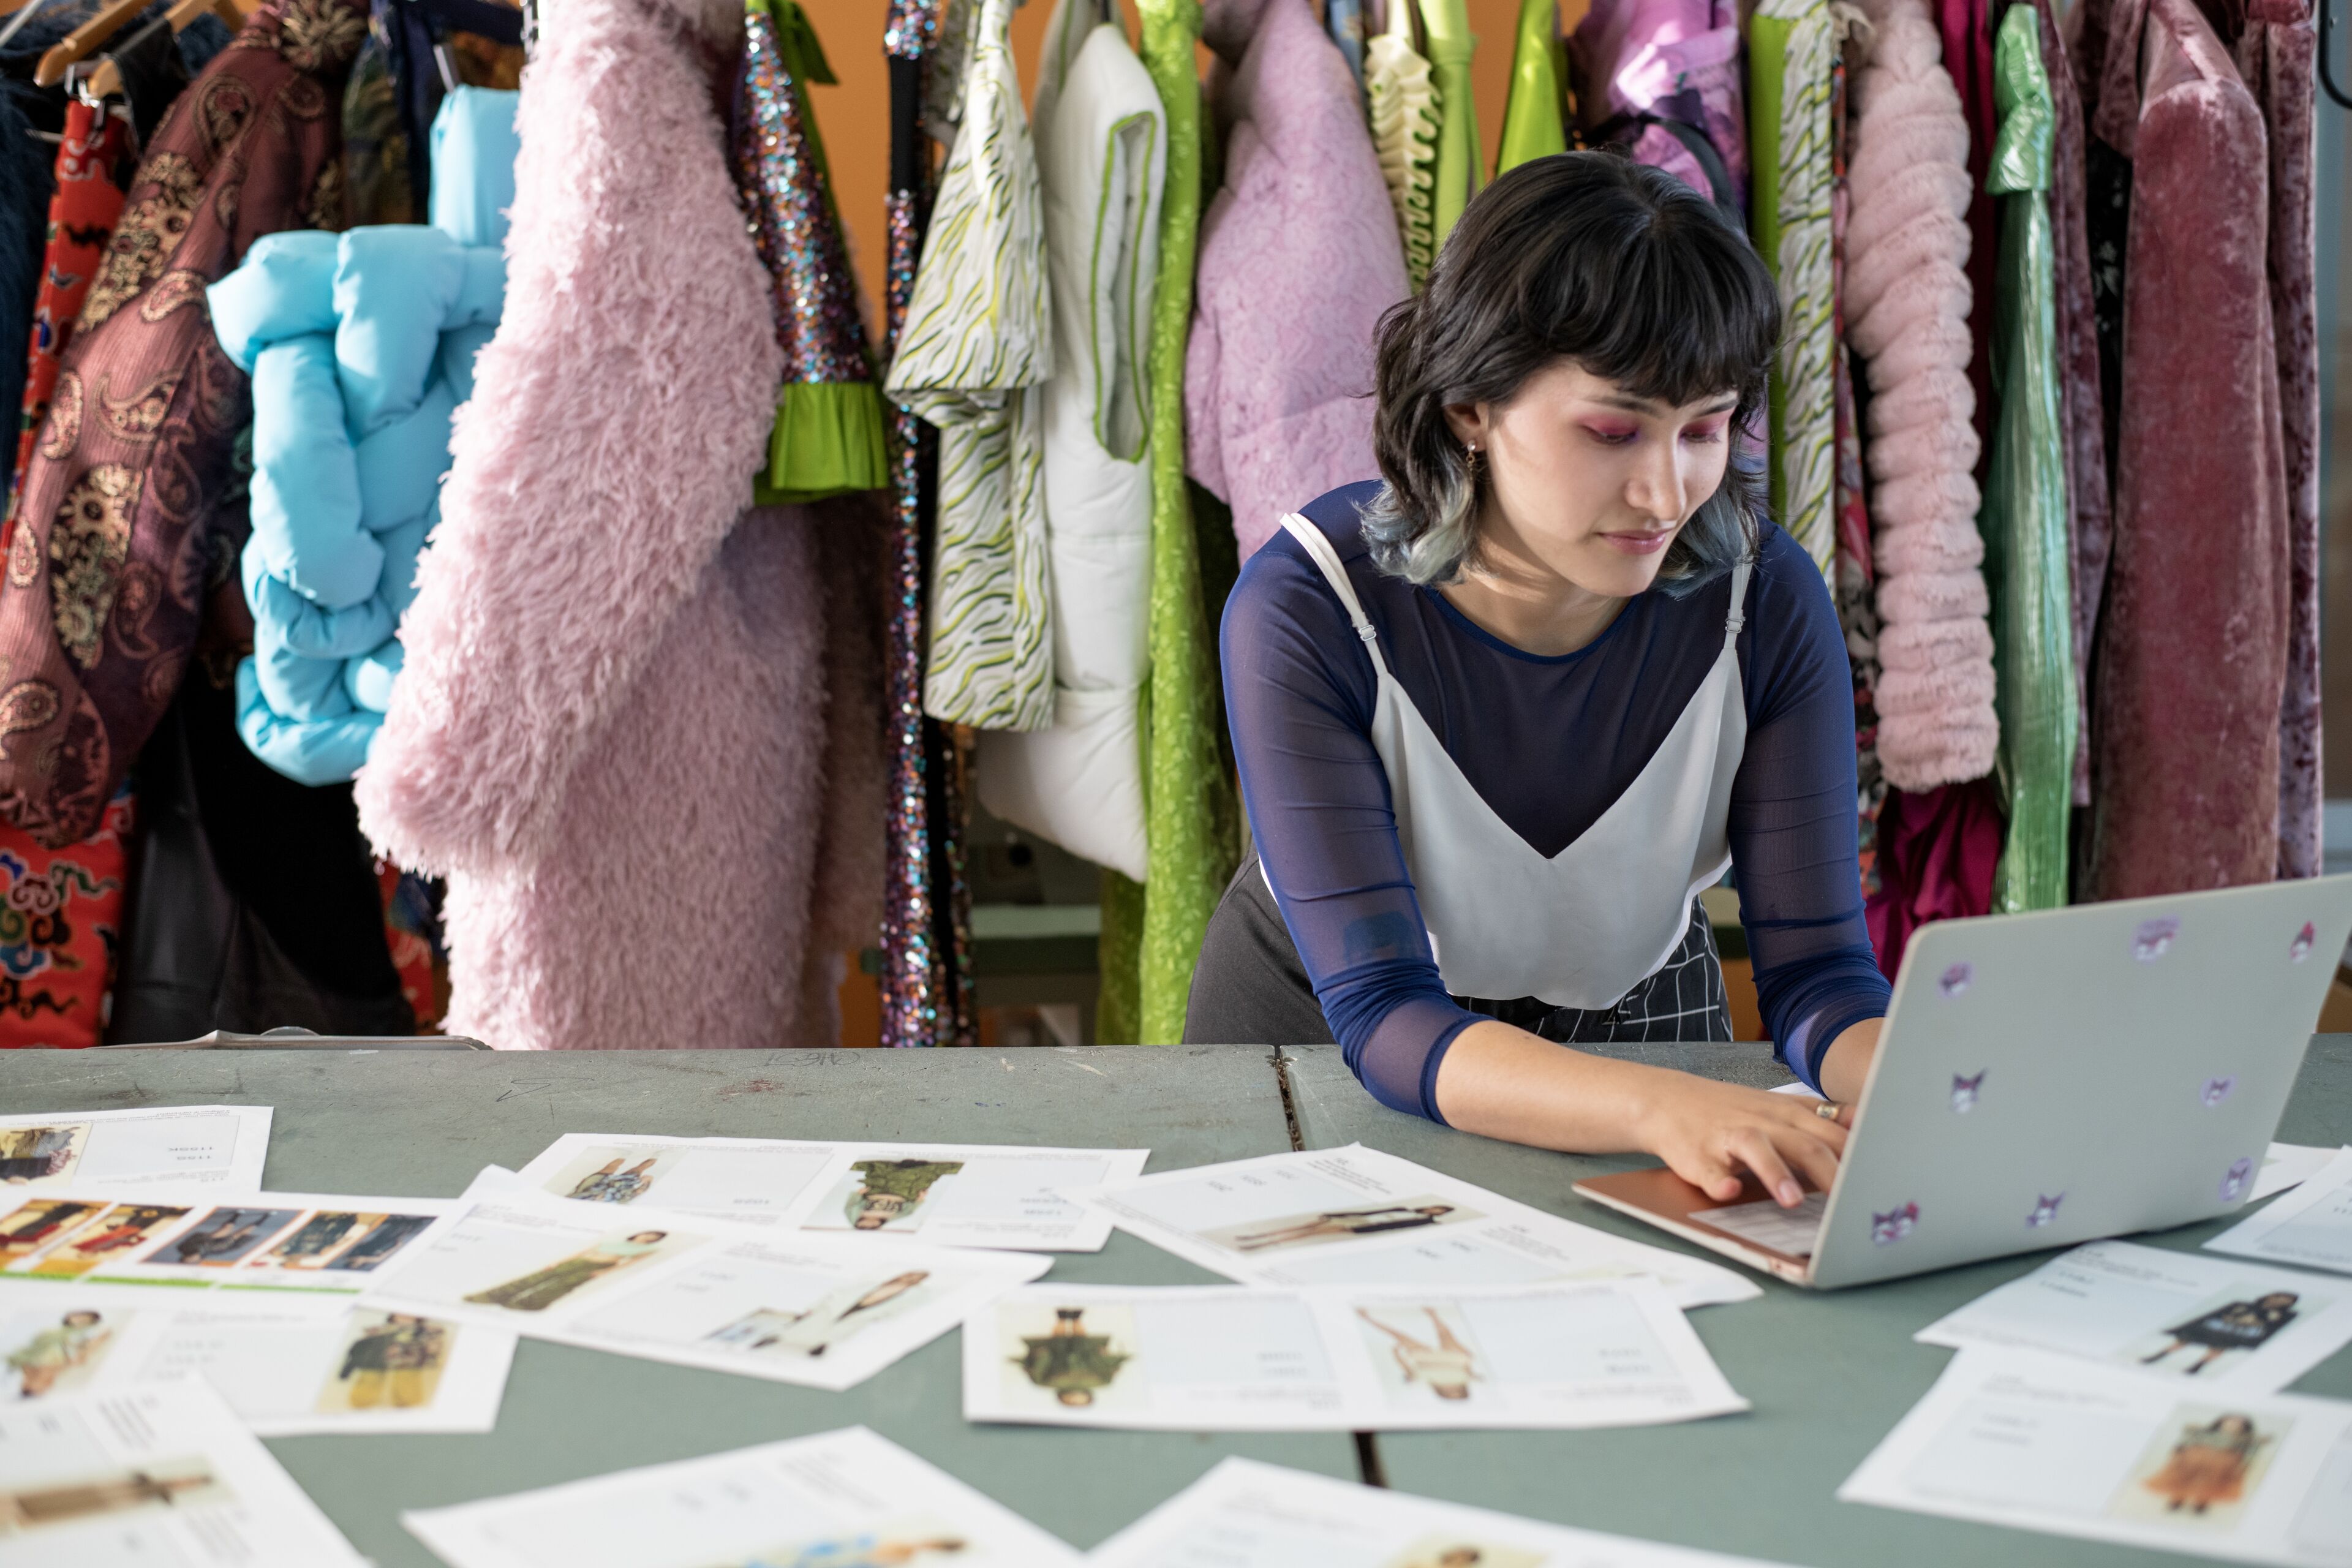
(360, 345)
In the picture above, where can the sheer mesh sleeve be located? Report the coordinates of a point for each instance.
(1299, 693)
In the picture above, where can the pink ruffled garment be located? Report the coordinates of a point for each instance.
(1674, 59)
(1906, 310)
(611, 731)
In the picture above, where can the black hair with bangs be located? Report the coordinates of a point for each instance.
(1582, 255)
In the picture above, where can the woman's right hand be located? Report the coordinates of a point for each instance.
(1707, 1132)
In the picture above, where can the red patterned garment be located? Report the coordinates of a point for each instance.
(60, 914)
(93, 169)
(106, 567)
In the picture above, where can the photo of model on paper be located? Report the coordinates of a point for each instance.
(883, 1194)
(2201, 1470)
(915, 1544)
(41, 1154)
(611, 1174)
(177, 1484)
(1072, 1360)
(2221, 1332)
(223, 1237)
(329, 1236)
(57, 1356)
(543, 1287)
(1338, 1225)
(1423, 1351)
(389, 1361)
(833, 1321)
(1453, 1552)
(42, 1222)
(104, 1239)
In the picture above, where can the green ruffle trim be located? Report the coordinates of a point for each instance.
(827, 441)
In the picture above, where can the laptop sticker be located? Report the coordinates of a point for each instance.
(2300, 948)
(1965, 1091)
(2235, 1180)
(2216, 1090)
(1885, 1229)
(2045, 1212)
(2153, 938)
(1956, 979)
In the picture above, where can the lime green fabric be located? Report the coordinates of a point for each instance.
(1532, 127)
(1119, 1018)
(2024, 517)
(1190, 817)
(827, 441)
(1460, 157)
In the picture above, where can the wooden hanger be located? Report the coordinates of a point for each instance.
(106, 81)
(84, 40)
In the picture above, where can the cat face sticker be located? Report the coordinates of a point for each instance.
(2216, 1090)
(2045, 1212)
(1956, 979)
(1886, 1229)
(1966, 1091)
(2300, 948)
(2236, 1179)
(2153, 938)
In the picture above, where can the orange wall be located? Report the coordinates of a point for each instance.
(854, 115)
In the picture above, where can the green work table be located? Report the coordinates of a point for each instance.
(1829, 1374)
(422, 1123)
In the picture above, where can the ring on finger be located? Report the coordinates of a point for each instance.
(1829, 1111)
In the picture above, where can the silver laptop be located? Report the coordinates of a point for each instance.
(2050, 1079)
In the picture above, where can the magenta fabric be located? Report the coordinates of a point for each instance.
(1937, 851)
(1675, 59)
(1299, 255)
(1966, 30)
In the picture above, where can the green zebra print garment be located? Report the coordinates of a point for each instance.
(972, 358)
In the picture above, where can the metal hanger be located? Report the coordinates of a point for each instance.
(2327, 55)
(25, 11)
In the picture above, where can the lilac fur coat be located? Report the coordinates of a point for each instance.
(611, 731)
(1299, 255)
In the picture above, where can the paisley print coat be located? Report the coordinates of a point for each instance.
(122, 499)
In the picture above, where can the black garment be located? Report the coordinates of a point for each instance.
(2239, 1326)
(1250, 988)
(252, 901)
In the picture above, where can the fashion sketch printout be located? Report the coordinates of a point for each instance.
(287, 1364)
(822, 1312)
(2310, 1227)
(949, 1194)
(328, 1245)
(1244, 1514)
(1356, 1215)
(848, 1498)
(219, 1146)
(1338, 1358)
(163, 1475)
(2201, 1322)
(2070, 1447)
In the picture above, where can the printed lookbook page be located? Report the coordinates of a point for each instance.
(822, 1312)
(329, 1244)
(2046, 1443)
(2181, 1315)
(2288, 1165)
(847, 1498)
(220, 1146)
(2311, 1225)
(949, 1194)
(1357, 1217)
(162, 1477)
(1244, 1514)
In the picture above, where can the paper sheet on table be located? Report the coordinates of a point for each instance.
(161, 1476)
(1224, 1358)
(949, 1194)
(1357, 1217)
(219, 1146)
(2199, 1322)
(2311, 1227)
(176, 1239)
(848, 1498)
(289, 1364)
(2047, 1443)
(1244, 1514)
(824, 1311)
(2288, 1165)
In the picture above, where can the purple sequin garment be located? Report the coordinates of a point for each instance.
(790, 208)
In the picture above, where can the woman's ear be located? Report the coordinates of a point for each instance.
(1469, 422)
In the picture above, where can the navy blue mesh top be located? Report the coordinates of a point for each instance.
(1548, 742)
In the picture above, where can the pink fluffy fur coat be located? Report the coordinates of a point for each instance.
(1908, 302)
(1299, 255)
(612, 735)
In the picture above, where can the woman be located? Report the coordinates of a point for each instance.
(1500, 718)
(80, 1337)
(538, 1292)
(2209, 1464)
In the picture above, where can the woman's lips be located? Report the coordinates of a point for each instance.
(1639, 543)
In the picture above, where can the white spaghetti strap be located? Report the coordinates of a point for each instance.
(1738, 617)
(1327, 559)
